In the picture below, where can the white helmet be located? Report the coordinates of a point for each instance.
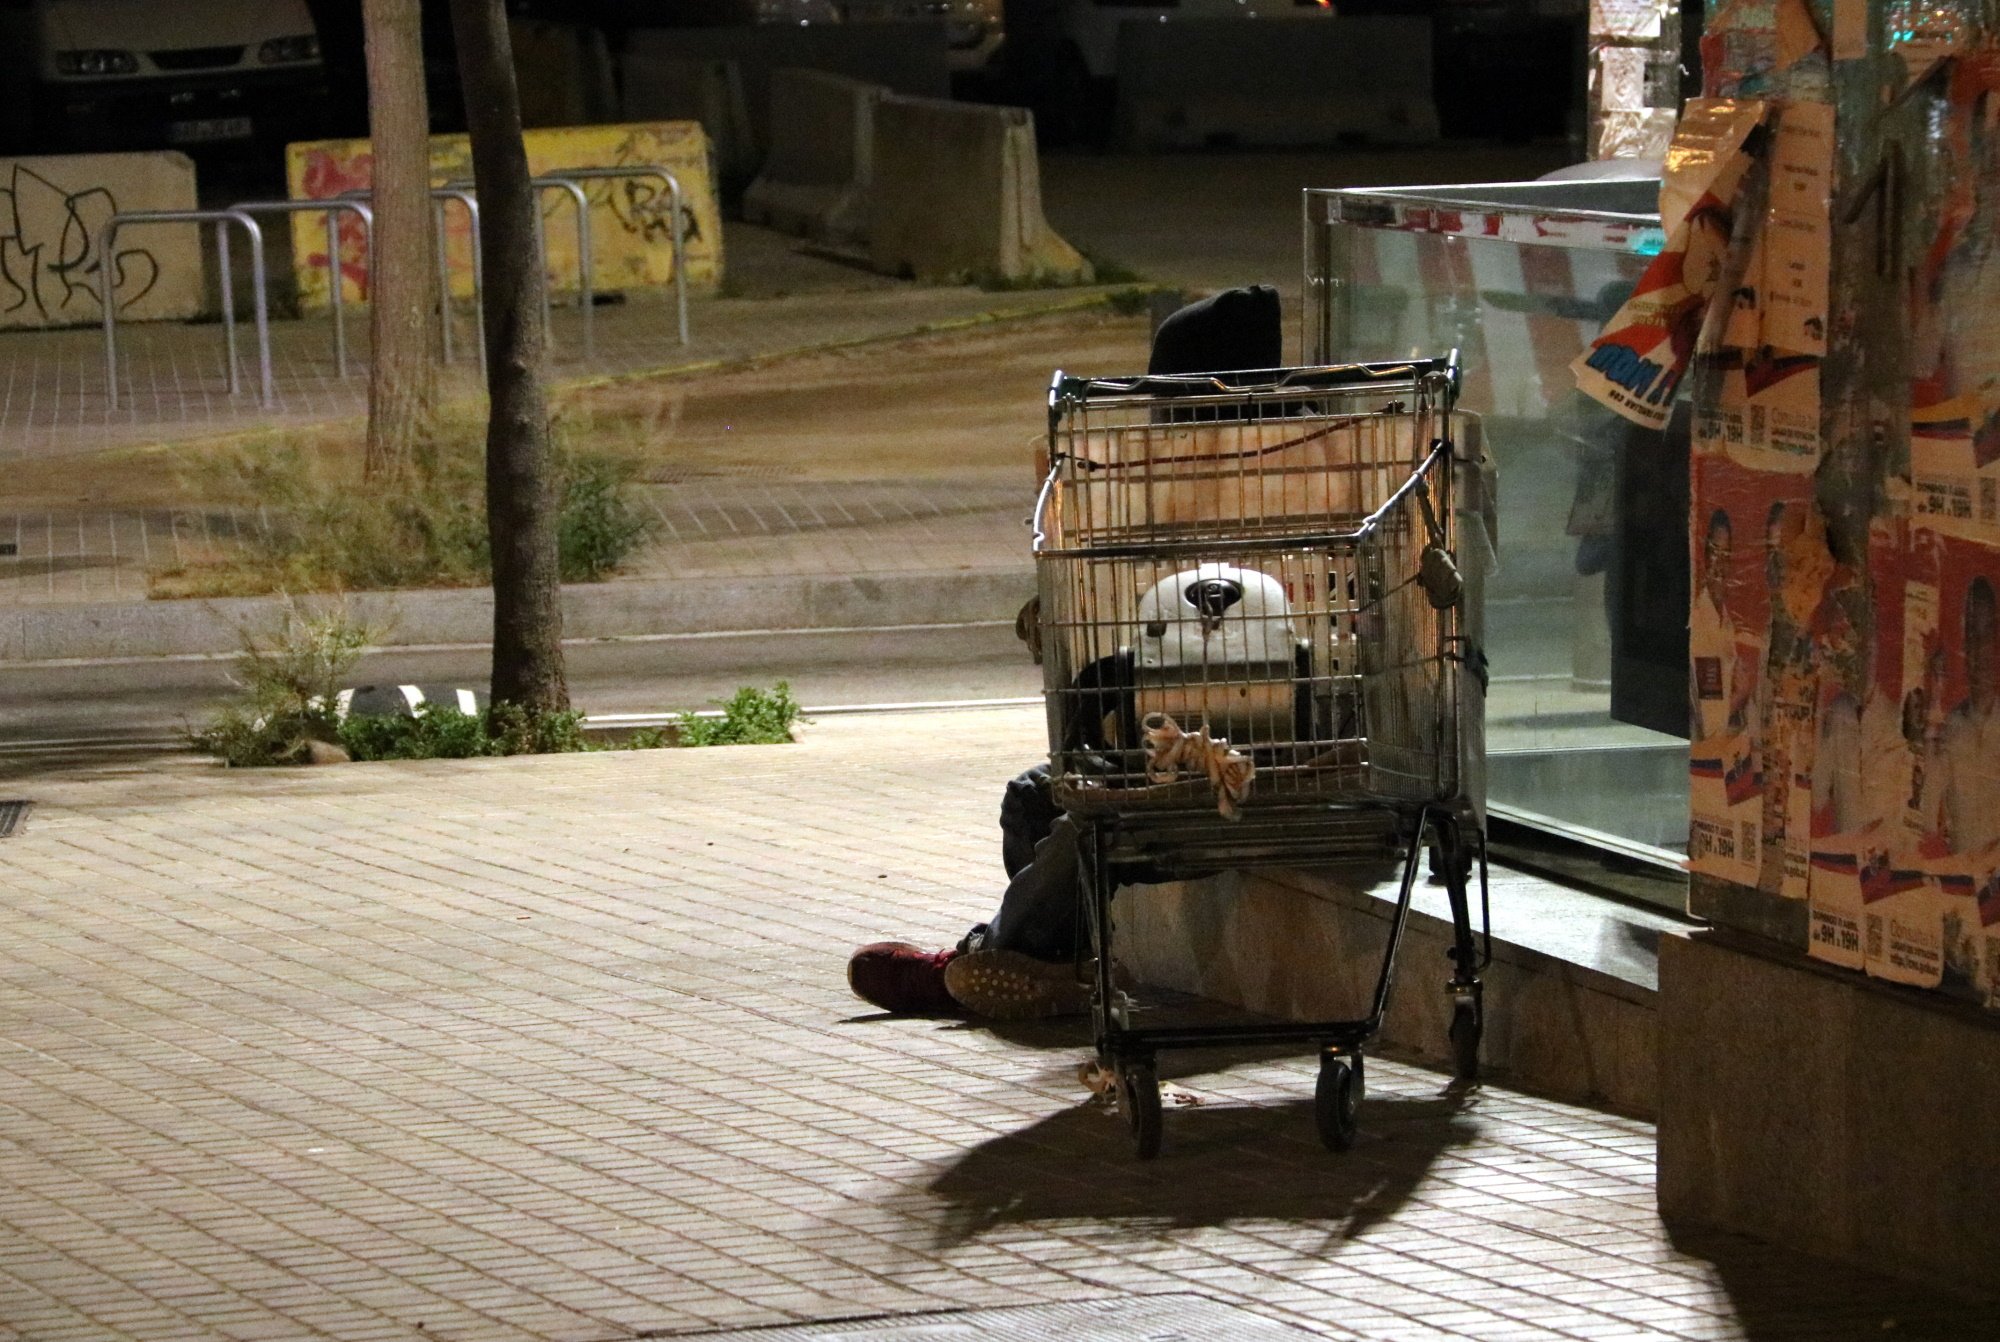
(1215, 615)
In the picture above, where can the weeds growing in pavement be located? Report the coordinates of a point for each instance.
(286, 689)
(750, 717)
(287, 710)
(321, 529)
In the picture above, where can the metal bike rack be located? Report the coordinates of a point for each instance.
(221, 219)
(677, 203)
(442, 196)
(584, 263)
(331, 208)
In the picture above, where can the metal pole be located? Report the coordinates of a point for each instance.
(108, 301)
(260, 305)
(583, 258)
(331, 205)
(444, 272)
(338, 298)
(471, 204)
(228, 306)
(221, 219)
(677, 230)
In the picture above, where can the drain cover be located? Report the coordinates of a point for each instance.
(12, 813)
(1132, 1318)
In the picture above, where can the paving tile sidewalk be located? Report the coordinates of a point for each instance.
(560, 1049)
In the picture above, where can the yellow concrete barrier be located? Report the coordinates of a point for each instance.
(52, 214)
(631, 249)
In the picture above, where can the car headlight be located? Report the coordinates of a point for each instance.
(96, 61)
(289, 50)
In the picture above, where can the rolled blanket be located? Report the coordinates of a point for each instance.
(1171, 752)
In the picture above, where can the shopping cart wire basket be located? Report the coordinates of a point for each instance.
(1254, 649)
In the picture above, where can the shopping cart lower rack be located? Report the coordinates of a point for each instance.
(1253, 633)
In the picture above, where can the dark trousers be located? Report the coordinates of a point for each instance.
(1041, 913)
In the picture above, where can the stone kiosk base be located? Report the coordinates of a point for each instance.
(1828, 1112)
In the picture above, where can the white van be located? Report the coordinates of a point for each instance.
(142, 74)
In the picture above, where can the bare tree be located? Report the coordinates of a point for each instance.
(403, 279)
(520, 493)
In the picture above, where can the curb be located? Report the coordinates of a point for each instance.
(94, 630)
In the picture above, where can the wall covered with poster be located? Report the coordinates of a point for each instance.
(1829, 299)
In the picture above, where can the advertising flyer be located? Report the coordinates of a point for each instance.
(1955, 475)
(1638, 361)
(1760, 570)
(1796, 244)
(1762, 410)
(1861, 766)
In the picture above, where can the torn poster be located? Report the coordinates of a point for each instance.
(1761, 410)
(1635, 365)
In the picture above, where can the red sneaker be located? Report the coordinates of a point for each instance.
(905, 979)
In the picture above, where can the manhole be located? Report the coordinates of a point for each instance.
(1133, 1318)
(12, 813)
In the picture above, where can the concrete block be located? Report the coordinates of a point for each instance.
(821, 163)
(709, 92)
(1824, 1111)
(958, 194)
(1192, 82)
(910, 58)
(631, 250)
(564, 74)
(52, 215)
(1308, 945)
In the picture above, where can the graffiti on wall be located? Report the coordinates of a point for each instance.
(53, 271)
(630, 218)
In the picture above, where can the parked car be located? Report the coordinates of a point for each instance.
(85, 75)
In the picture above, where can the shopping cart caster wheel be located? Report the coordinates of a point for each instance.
(1338, 1099)
(1139, 1100)
(1467, 1024)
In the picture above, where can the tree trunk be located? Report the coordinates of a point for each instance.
(520, 495)
(403, 280)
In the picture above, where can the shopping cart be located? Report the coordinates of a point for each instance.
(1253, 638)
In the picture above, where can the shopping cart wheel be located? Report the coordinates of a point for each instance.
(1139, 1098)
(1467, 1024)
(1338, 1099)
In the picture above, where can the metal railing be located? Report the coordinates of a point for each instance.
(677, 231)
(441, 198)
(331, 208)
(221, 219)
(584, 259)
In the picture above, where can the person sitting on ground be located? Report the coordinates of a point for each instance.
(1023, 962)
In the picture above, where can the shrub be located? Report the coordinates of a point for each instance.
(750, 717)
(323, 530)
(287, 689)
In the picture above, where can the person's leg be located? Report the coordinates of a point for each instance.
(1022, 965)
(1038, 914)
(901, 977)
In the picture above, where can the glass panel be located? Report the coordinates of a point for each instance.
(1587, 612)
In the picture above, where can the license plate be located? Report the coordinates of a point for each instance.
(207, 129)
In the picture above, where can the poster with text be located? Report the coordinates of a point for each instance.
(1753, 681)
(1862, 762)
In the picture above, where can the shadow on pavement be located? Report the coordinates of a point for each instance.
(1781, 1293)
(1220, 1163)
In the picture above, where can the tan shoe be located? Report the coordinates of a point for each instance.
(1007, 985)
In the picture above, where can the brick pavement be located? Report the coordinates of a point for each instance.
(559, 1048)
